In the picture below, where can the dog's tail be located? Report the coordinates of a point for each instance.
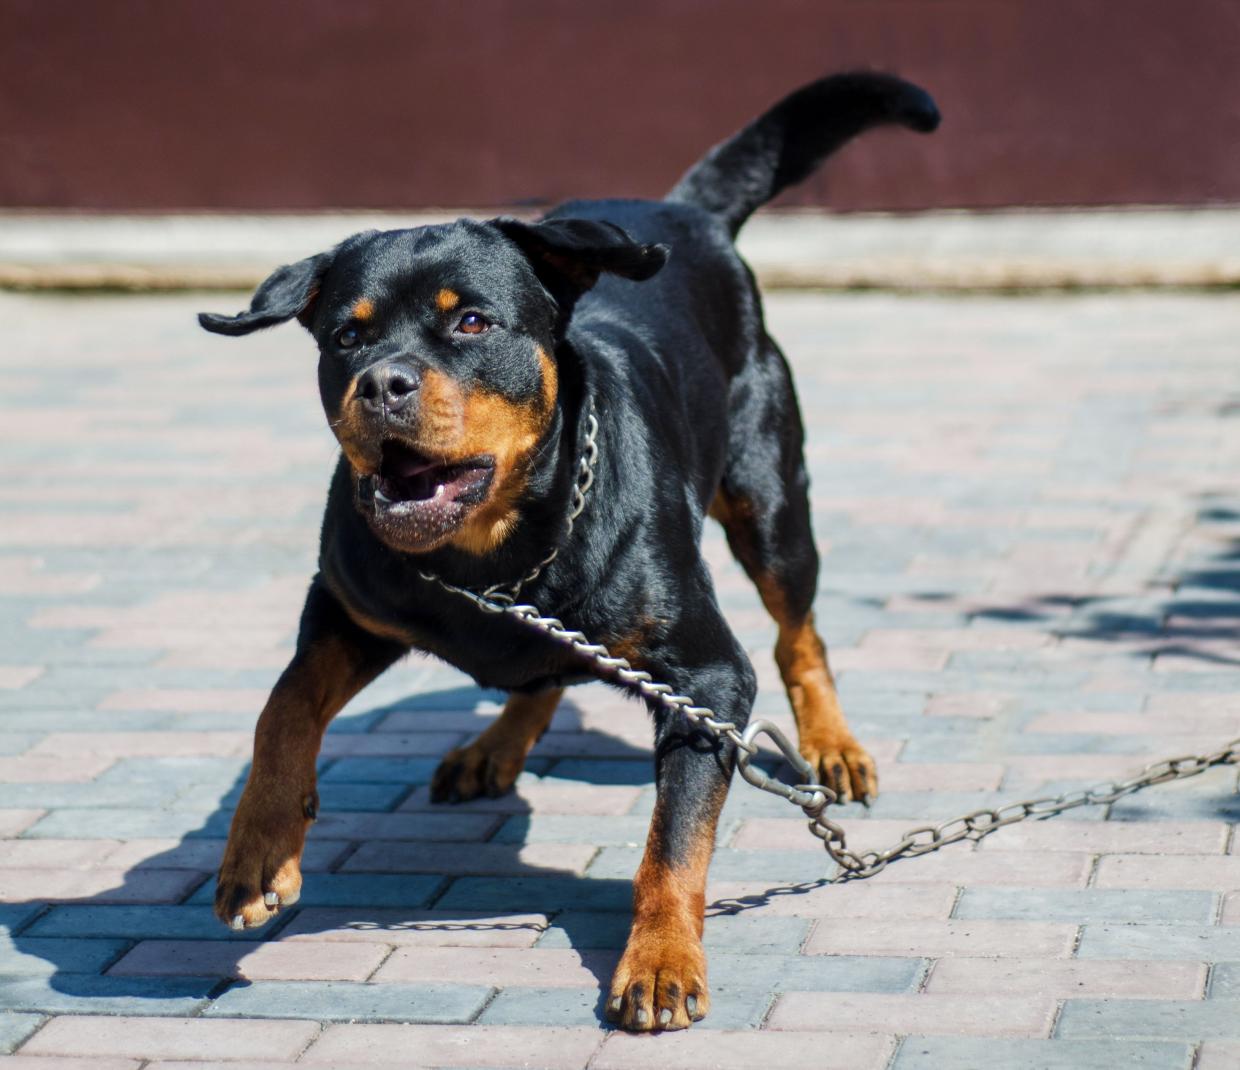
(782, 146)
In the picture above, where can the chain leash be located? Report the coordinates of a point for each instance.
(811, 796)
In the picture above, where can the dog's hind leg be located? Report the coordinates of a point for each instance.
(335, 658)
(763, 505)
(491, 764)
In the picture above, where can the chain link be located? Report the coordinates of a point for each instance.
(812, 797)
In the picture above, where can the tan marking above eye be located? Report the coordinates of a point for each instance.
(363, 309)
(446, 300)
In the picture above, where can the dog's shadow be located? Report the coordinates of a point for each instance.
(79, 946)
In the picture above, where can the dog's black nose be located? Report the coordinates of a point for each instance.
(387, 386)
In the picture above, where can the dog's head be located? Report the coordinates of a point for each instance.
(437, 364)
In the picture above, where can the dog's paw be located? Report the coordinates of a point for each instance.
(846, 768)
(474, 771)
(660, 984)
(261, 869)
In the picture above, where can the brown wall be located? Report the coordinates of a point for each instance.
(258, 104)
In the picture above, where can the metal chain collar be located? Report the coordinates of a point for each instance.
(812, 797)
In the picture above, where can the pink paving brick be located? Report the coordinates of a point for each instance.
(1017, 869)
(940, 776)
(13, 677)
(1220, 725)
(1069, 978)
(204, 854)
(279, 961)
(470, 859)
(54, 1062)
(15, 822)
(967, 704)
(1231, 909)
(790, 834)
(593, 800)
(451, 1046)
(187, 700)
(855, 900)
(53, 769)
(942, 939)
(906, 658)
(55, 854)
(1218, 1055)
(924, 1014)
(99, 885)
(1204, 872)
(1113, 837)
(391, 744)
(424, 928)
(954, 638)
(695, 1049)
(171, 1038)
(147, 744)
(500, 967)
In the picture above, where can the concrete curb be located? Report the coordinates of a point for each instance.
(788, 250)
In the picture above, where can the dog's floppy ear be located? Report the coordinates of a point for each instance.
(570, 254)
(287, 292)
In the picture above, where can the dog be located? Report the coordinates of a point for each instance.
(468, 370)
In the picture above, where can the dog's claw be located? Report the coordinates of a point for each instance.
(237, 924)
(271, 899)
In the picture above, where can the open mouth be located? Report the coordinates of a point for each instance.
(419, 500)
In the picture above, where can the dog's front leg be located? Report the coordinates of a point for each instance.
(660, 982)
(335, 659)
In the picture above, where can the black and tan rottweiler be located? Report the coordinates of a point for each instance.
(458, 366)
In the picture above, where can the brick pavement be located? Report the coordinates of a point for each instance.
(1030, 522)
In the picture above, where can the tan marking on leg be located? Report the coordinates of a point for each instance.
(660, 981)
(491, 764)
(446, 300)
(280, 800)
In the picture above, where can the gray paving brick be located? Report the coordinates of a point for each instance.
(603, 770)
(342, 1001)
(13, 916)
(1087, 905)
(15, 1028)
(84, 994)
(1212, 1019)
(1225, 983)
(134, 923)
(352, 890)
(536, 894)
(817, 973)
(727, 865)
(1194, 943)
(550, 828)
(41, 956)
(1004, 1053)
(130, 823)
(374, 771)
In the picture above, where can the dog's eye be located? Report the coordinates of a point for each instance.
(347, 337)
(473, 323)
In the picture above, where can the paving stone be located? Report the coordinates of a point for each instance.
(941, 1015)
(750, 933)
(743, 1007)
(341, 1001)
(1225, 982)
(472, 859)
(1213, 1019)
(427, 928)
(14, 1028)
(87, 994)
(1217, 1055)
(41, 957)
(132, 922)
(277, 961)
(1003, 1053)
(351, 890)
(1193, 943)
(173, 1038)
(737, 1050)
(498, 1047)
(1086, 905)
(942, 939)
(1068, 978)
